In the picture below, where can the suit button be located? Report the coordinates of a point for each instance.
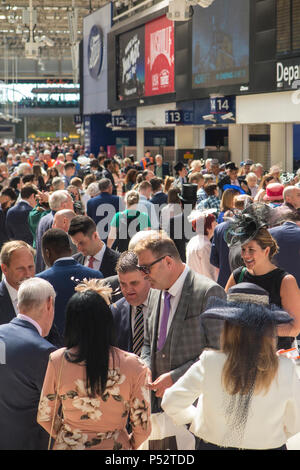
(163, 356)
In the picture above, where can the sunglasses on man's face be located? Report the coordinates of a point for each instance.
(146, 268)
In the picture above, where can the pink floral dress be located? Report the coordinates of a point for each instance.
(97, 422)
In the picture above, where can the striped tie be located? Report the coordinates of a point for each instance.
(138, 330)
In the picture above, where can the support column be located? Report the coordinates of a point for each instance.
(282, 146)
(60, 130)
(238, 143)
(140, 143)
(25, 128)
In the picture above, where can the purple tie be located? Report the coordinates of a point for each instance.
(164, 321)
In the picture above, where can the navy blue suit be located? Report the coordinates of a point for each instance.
(21, 378)
(219, 255)
(59, 276)
(288, 240)
(44, 224)
(121, 311)
(113, 205)
(17, 225)
(159, 198)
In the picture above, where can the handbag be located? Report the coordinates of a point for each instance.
(242, 274)
(56, 418)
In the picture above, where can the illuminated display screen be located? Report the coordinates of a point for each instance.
(221, 44)
(131, 70)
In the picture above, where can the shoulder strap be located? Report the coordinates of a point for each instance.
(242, 274)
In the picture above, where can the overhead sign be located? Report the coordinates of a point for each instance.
(287, 72)
(159, 57)
(131, 79)
(95, 51)
(221, 105)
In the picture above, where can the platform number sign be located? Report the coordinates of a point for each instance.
(219, 105)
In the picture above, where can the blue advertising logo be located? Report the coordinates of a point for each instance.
(95, 51)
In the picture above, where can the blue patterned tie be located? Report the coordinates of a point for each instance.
(138, 330)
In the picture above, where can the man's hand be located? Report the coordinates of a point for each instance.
(160, 384)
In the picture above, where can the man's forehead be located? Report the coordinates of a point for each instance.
(130, 276)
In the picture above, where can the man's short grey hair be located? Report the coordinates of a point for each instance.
(57, 198)
(104, 184)
(33, 293)
(288, 191)
(57, 182)
(93, 189)
(22, 167)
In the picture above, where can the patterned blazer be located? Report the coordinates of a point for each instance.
(189, 334)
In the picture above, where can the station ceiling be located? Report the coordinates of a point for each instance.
(51, 21)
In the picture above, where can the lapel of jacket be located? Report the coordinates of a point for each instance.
(153, 319)
(7, 305)
(181, 311)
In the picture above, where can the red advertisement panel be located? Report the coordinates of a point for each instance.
(159, 57)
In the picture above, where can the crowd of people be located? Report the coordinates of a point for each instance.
(135, 292)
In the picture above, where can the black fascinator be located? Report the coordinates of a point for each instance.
(245, 225)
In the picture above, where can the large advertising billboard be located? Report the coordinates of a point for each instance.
(159, 57)
(131, 72)
(220, 44)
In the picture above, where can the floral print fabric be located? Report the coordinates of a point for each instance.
(97, 422)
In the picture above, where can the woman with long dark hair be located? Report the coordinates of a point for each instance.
(248, 396)
(99, 387)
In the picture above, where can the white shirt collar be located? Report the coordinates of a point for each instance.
(177, 286)
(30, 320)
(100, 253)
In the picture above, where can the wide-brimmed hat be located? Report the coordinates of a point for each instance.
(188, 193)
(247, 305)
(274, 192)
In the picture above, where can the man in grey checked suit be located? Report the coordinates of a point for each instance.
(187, 335)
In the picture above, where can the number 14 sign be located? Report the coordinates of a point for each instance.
(220, 105)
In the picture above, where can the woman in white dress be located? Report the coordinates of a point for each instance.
(198, 248)
(248, 396)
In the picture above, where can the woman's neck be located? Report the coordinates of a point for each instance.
(261, 270)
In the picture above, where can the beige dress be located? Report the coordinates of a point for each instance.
(100, 422)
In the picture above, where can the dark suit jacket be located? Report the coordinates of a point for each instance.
(44, 224)
(121, 311)
(113, 204)
(159, 198)
(288, 240)
(7, 311)
(109, 261)
(165, 170)
(59, 276)
(115, 285)
(17, 225)
(21, 378)
(180, 231)
(219, 255)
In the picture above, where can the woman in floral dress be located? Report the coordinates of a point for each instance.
(99, 387)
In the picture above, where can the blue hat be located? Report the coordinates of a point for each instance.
(247, 305)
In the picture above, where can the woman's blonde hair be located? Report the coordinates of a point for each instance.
(132, 197)
(240, 343)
